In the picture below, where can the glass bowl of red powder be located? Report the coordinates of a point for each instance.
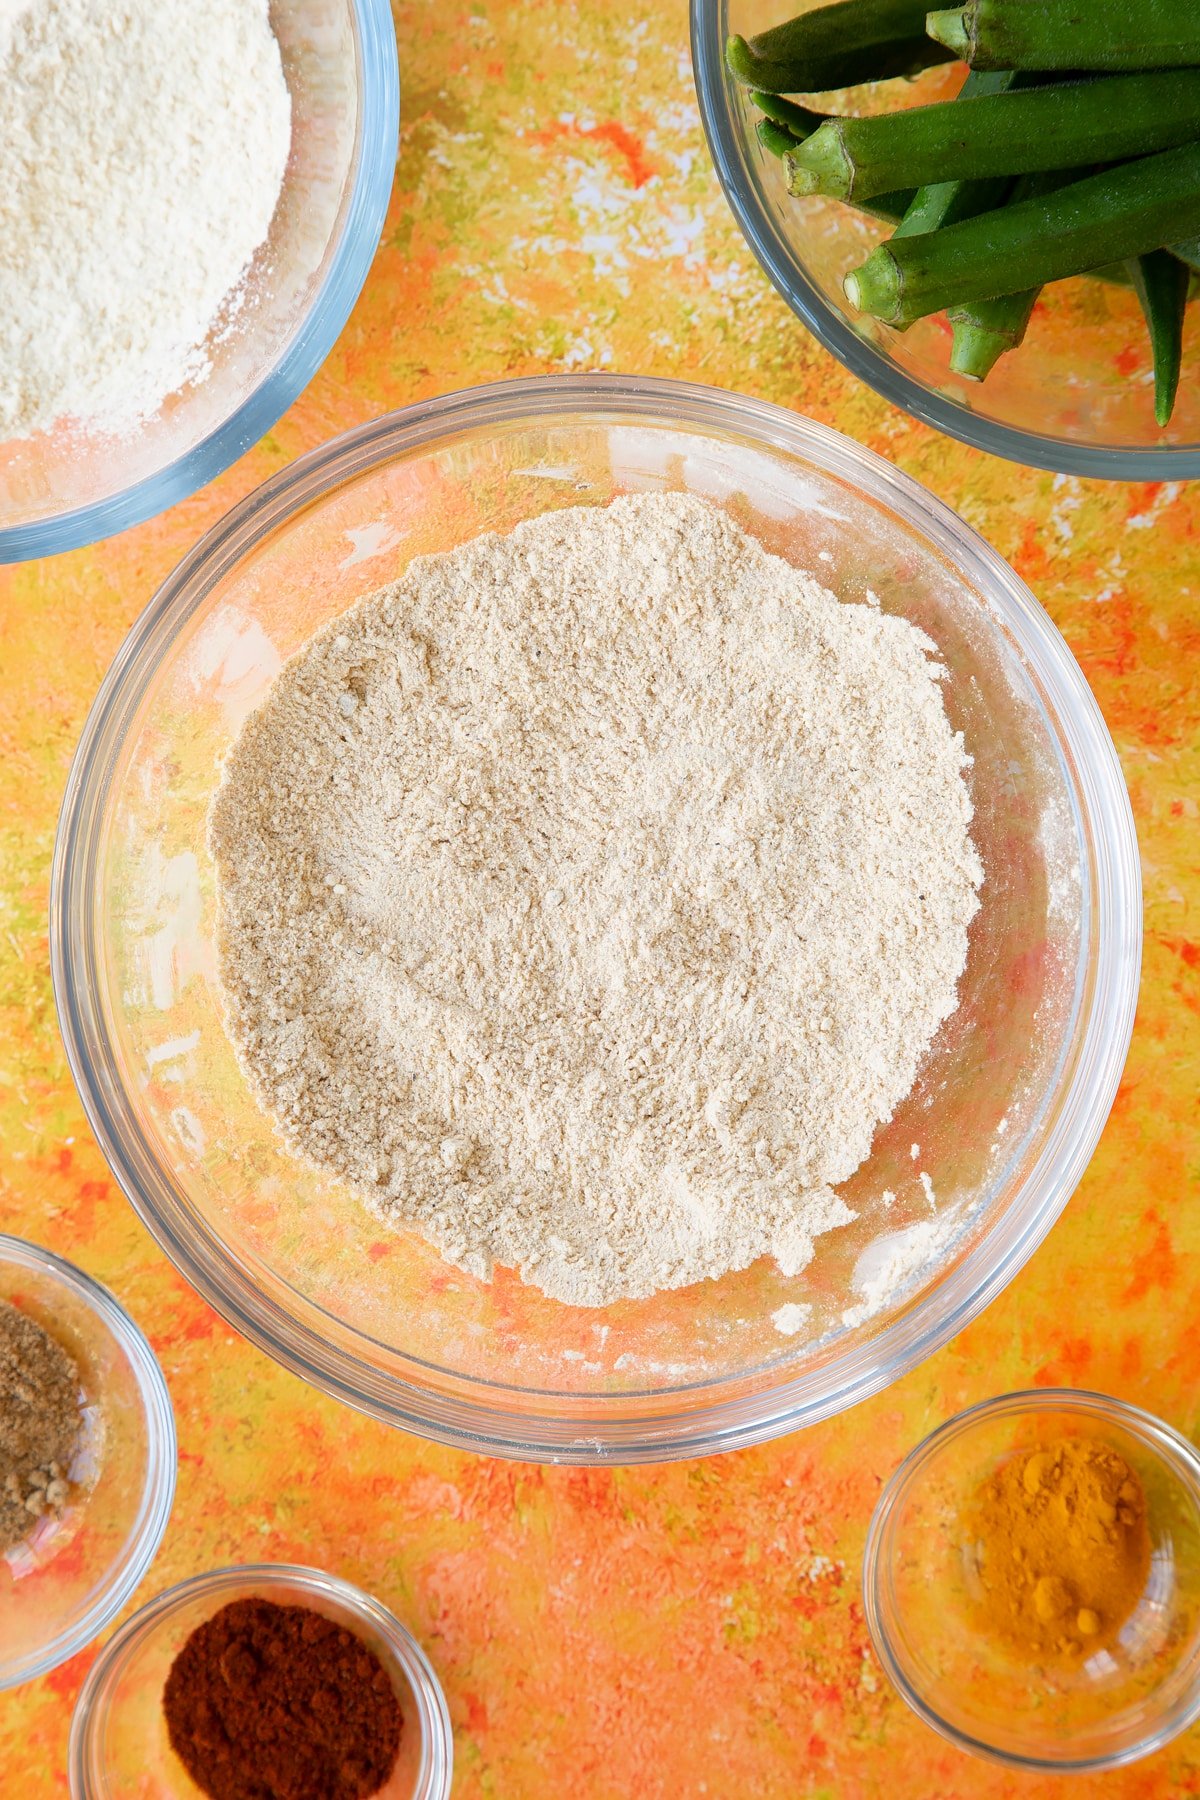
(120, 1747)
(961, 1184)
(63, 1583)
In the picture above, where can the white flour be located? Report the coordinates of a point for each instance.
(142, 149)
(590, 895)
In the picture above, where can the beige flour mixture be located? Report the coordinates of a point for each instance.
(589, 896)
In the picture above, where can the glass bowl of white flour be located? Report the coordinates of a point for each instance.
(195, 196)
(952, 1191)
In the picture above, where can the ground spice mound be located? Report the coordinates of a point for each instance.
(1062, 1549)
(589, 896)
(269, 1702)
(40, 1422)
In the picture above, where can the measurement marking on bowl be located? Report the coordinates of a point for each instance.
(189, 1130)
(171, 1051)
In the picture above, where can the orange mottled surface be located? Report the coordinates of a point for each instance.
(651, 1634)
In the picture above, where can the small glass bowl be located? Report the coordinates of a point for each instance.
(1125, 1701)
(1077, 397)
(119, 1746)
(63, 488)
(61, 1586)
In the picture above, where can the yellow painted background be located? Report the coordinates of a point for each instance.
(661, 1633)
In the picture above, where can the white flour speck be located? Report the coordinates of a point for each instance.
(791, 1318)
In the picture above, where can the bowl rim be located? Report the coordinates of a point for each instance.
(433, 1714)
(862, 358)
(374, 162)
(158, 1488)
(1163, 1440)
(588, 1432)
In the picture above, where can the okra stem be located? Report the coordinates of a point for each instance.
(1068, 125)
(1071, 34)
(1104, 218)
(952, 27)
(891, 208)
(837, 46)
(987, 331)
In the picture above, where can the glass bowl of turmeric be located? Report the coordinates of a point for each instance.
(1032, 1581)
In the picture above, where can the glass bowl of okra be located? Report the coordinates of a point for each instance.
(1076, 373)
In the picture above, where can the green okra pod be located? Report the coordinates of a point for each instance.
(837, 46)
(985, 332)
(946, 202)
(1120, 213)
(1063, 126)
(1162, 282)
(1071, 34)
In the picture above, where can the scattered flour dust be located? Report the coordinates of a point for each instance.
(142, 149)
(892, 1263)
(588, 896)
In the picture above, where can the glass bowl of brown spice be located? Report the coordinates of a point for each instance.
(87, 1459)
(1032, 1581)
(267, 1678)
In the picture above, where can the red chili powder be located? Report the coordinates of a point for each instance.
(268, 1702)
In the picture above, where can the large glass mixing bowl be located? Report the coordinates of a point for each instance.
(1077, 397)
(65, 487)
(980, 1158)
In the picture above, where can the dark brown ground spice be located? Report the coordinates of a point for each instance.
(269, 1702)
(40, 1422)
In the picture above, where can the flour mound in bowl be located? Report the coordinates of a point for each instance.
(143, 145)
(588, 897)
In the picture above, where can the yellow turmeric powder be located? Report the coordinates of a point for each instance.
(1062, 1549)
